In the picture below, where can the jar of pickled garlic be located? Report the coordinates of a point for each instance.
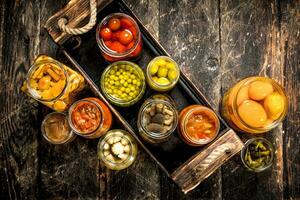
(52, 83)
(162, 73)
(119, 38)
(157, 119)
(255, 105)
(123, 83)
(117, 149)
(198, 125)
(90, 118)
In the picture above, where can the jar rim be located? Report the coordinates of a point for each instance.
(34, 67)
(278, 88)
(108, 51)
(118, 101)
(159, 135)
(171, 84)
(123, 134)
(185, 120)
(75, 130)
(246, 145)
(70, 135)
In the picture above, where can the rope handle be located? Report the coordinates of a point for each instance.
(216, 153)
(62, 23)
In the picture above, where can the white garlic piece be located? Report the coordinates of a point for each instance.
(117, 148)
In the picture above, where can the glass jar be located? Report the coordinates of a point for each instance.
(52, 83)
(198, 125)
(123, 83)
(257, 154)
(255, 105)
(117, 149)
(162, 73)
(90, 118)
(118, 37)
(157, 119)
(56, 130)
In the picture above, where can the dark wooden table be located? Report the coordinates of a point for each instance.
(216, 43)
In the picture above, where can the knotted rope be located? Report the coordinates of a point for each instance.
(62, 23)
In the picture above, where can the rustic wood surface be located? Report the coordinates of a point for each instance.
(218, 42)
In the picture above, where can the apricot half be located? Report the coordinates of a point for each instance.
(258, 90)
(242, 95)
(274, 105)
(252, 113)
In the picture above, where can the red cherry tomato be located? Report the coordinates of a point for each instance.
(133, 31)
(126, 23)
(130, 45)
(105, 33)
(114, 24)
(108, 44)
(125, 37)
(115, 35)
(118, 47)
(137, 50)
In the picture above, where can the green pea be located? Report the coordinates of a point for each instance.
(111, 82)
(109, 91)
(129, 81)
(127, 90)
(122, 81)
(134, 81)
(131, 94)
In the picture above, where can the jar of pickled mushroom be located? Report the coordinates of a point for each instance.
(157, 119)
(56, 130)
(255, 105)
(198, 125)
(90, 118)
(123, 83)
(162, 73)
(52, 83)
(119, 38)
(117, 149)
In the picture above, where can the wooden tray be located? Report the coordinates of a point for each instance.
(186, 165)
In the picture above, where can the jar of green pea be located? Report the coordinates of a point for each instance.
(123, 83)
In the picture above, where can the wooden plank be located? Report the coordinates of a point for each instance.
(189, 31)
(249, 34)
(289, 43)
(141, 180)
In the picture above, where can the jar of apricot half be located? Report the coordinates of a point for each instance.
(52, 83)
(90, 118)
(255, 105)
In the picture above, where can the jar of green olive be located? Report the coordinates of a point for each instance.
(162, 73)
(117, 149)
(123, 83)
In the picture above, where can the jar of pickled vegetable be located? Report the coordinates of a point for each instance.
(198, 125)
(162, 73)
(157, 119)
(52, 83)
(90, 118)
(117, 149)
(257, 154)
(255, 105)
(123, 83)
(56, 130)
(119, 38)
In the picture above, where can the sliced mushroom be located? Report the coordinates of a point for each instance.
(159, 107)
(154, 127)
(158, 118)
(152, 111)
(169, 121)
(166, 111)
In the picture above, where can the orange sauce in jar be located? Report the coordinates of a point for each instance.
(198, 125)
(90, 118)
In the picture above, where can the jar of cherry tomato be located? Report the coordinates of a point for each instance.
(90, 118)
(119, 37)
(198, 125)
(255, 105)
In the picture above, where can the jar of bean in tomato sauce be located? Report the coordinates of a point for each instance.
(198, 125)
(90, 118)
(119, 38)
